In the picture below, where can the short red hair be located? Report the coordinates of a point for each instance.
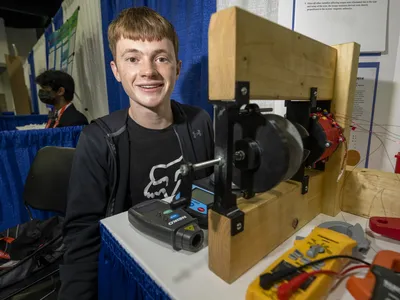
(141, 23)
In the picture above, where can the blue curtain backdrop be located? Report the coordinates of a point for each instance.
(191, 20)
(17, 151)
(58, 20)
(34, 95)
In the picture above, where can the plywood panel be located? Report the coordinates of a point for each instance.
(269, 220)
(342, 105)
(368, 192)
(279, 63)
(22, 100)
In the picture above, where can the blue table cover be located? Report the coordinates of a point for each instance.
(120, 276)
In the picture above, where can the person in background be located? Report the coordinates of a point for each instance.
(57, 88)
(120, 158)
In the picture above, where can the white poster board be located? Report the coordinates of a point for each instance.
(343, 21)
(363, 110)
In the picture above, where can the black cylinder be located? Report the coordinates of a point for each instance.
(189, 238)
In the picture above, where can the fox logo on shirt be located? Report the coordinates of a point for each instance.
(164, 180)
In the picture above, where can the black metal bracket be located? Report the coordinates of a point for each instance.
(299, 112)
(185, 191)
(226, 115)
(313, 98)
(304, 184)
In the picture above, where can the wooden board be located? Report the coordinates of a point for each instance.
(22, 100)
(341, 106)
(368, 192)
(278, 62)
(269, 220)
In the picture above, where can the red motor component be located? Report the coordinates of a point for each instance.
(397, 169)
(326, 136)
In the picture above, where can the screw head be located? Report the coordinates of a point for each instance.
(314, 117)
(306, 188)
(295, 222)
(239, 226)
(327, 144)
(244, 91)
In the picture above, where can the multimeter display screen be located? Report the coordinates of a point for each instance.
(202, 196)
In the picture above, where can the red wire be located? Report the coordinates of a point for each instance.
(286, 290)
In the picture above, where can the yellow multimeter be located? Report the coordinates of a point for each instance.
(320, 243)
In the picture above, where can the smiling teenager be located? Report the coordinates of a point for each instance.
(134, 154)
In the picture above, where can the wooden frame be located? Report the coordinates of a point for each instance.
(279, 64)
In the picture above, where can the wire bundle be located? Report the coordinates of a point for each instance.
(287, 289)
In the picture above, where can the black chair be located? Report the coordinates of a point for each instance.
(47, 183)
(45, 189)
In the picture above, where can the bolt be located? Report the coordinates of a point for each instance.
(239, 226)
(314, 117)
(327, 144)
(244, 91)
(184, 169)
(240, 155)
(295, 222)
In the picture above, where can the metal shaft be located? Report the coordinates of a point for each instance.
(268, 109)
(206, 164)
(261, 110)
(186, 168)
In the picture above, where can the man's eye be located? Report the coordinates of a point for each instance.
(132, 59)
(162, 59)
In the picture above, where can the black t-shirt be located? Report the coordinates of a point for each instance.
(155, 158)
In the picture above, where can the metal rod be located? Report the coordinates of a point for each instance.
(206, 164)
(186, 168)
(269, 109)
(261, 110)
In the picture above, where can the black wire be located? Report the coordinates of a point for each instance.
(267, 280)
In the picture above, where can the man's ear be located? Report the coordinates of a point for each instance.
(61, 91)
(114, 68)
(178, 68)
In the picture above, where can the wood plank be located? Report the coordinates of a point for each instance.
(269, 219)
(342, 105)
(368, 192)
(22, 99)
(278, 62)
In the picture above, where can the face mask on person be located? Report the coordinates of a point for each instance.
(46, 97)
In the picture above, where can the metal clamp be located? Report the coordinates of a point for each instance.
(355, 232)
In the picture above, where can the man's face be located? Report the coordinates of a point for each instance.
(147, 70)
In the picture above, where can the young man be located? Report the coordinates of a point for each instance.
(57, 88)
(121, 157)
